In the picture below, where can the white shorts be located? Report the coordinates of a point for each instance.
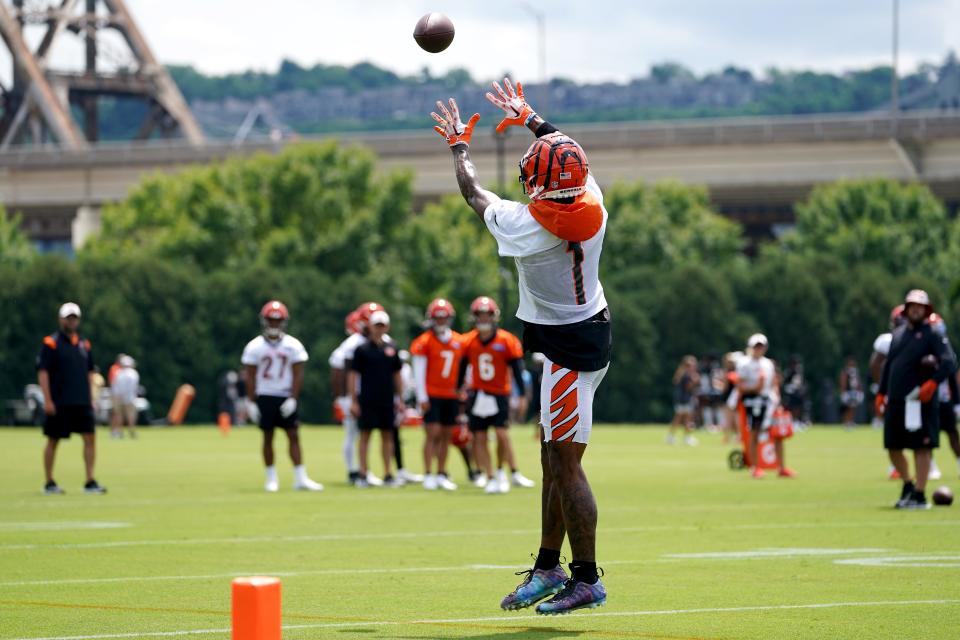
(566, 402)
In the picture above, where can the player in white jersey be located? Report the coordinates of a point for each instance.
(274, 367)
(555, 240)
(758, 391)
(339, 365)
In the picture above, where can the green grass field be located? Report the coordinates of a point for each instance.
(690, 548)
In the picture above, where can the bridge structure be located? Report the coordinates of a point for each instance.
(755, 169)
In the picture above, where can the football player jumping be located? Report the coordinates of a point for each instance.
(556, 240)
(274, 367)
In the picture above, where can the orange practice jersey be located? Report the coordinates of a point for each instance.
(491, 361)
(443, 362)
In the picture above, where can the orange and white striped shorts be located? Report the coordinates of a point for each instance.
(566, 402)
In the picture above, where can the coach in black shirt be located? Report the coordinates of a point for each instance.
(908, 395)
(65, 372)
(375, 385)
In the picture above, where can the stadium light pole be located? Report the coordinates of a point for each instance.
(894, 80)
(541, 19)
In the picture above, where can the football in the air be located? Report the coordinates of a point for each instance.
(434, 32)
(943, 497)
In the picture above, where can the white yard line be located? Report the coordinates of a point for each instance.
(447, 534)
(769, 553)
(60, 526)
(513, 619)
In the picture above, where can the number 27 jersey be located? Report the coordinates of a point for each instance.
(274, 360)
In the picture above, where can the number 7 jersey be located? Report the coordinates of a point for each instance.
(274, 360)
(443, 362)
(559, 280)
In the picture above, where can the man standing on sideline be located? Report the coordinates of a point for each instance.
(375, 388)
(907, 396)
(556, 242)
(123, 392)
(274, 364)
(65, 374)
(758, 392)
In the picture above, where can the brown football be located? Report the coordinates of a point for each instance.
(434, 32)
(943, 496)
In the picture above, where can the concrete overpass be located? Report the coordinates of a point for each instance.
(755, 168)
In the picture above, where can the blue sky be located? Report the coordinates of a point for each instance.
(586, 40)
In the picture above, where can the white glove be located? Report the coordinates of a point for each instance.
(288, 407)
(253, 411)
(513, 104)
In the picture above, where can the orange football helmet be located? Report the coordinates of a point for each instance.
(554, 166)
(274, 310)
(440, 308)
(485, 304)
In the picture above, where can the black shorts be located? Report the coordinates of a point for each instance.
(443, 411)
(581, 346)
(498, 420)
(69, 419)
(948, 419)
(756, 410)
(896, 435)
(382, 418)
(270, 416)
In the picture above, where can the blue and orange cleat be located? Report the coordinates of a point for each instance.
(574, 595)
(538, 584)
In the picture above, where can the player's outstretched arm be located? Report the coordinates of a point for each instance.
(458, 135)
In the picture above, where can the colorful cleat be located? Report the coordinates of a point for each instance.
(538, 584)
(574, 595)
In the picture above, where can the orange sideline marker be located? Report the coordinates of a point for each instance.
(256, 608)
(223, 421)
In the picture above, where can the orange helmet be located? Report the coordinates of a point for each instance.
(364, 311)
(351, 324)
(440, 308)
(896, 317)
(484, 304)
(554, 166)
(274, 310)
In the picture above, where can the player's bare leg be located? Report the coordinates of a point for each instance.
(754, 461)
(89, 453)
(922, 458)
(293, 440)
(481, 453)
(49, 455)
(579, 510)
(546, 577)
(272, 484)
(899, 462)
(506, 457)
(386, 451)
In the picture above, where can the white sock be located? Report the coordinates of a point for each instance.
(300, 473)
(271, 474)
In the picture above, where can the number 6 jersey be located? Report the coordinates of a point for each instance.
(274, 360)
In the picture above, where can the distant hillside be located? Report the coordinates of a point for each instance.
(365, 97)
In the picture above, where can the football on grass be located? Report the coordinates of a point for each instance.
(434, 32)
(943, 496)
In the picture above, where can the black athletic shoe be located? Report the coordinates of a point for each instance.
(53, 489)
(916, 501)
(905, 494)
(93, 487)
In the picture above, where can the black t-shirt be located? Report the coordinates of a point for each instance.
(376, 365)
(581, 346)
(68, 361)
(901, 369)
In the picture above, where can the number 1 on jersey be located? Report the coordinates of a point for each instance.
(577, 250)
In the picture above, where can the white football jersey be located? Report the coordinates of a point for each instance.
(749, 371)
(343, 353)
(559, 280)
(882, 344)
(274, 361)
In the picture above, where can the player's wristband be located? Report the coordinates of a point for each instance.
(545, 129)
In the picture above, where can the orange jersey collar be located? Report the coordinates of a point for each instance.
(574, 222)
